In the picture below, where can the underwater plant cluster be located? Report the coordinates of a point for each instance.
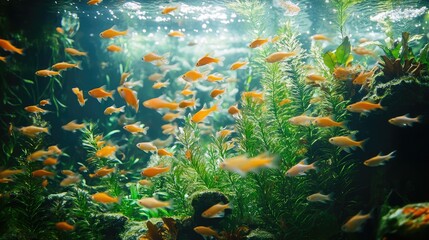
(172, 131)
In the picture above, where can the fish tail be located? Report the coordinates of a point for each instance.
(79, 65)
(47, 130)
(344, 124)
(220, 61)
(124, 32)
(111, 94)
(91, 175)
(362, 144)
(214, 108)
(391, 155)
(20, 51)
(331, 196)
(137, 106)
(419, 119)
(122, 109)
(314, 167)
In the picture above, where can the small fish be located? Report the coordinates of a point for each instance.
(168, 9)
(379, 160)
(291, 8)
(59, 30)
(42, 173)
(256, 96)
(68, 172)
(158, 103)
(153, 203)
(152, 57)
(146, 146)
(342, 73)
(206, 231)
(50, 161)
(156, 77)
(301, 120)
(233, 110)
(38, 154)
(216, 92)
(64, 226)
(7, 46)
(405, 120)
(103, 197)
(145, 182)
(284, 102)
(79, 94)
(113, 109)
(124, 77)
(347, 143)
(216, 211)
(355, 223)
(327, 122)
(363, 107)
(106, 152)
(45, 102)
(203, 113)
(135, 128)
(192, 76)
(208, 60)
(8, 172)
(168, 129)
(300, 168)
(363, 51)
(75, 52)
(171, 116)
(279, 56)
(113, 48)
(225, 132)
(176, 34)
(66, 65)
(133, 84)
(320, 37)
(153, 171)
(72, 126)
(45, 183)
(5, 180)
(3, 59)
(130, 97)
(163, 143)
(258, 42)
(214, 78)
(362, 78)
(188, 104)
(164, 152)
(318, 197)
(192, 43)
(33, 131)
(314, 78)
(159, 85)
(111, 33)
(47, 73)
(101, 93)
(104, 171)
(69, 180)
(238, 65)
(35, 109)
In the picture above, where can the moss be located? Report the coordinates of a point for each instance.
(201, 201)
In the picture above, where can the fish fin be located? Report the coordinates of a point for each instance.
(348, 149)
(303, 161)
(363, 143)
(391, 155)
(419, 118)
(111, 94)
(314, 167)
(91, 175)
(220, 60)
(344, 124)
(122, 109)
(145, 130)
(331, 196)
(79, 65)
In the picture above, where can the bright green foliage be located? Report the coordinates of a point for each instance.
(340, 57)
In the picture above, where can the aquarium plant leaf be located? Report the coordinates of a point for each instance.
(423, 57)
(349, 60)
(29, 81)
(405, 48)
(153, 231)
(329, 59)
(171, 224)
(343, 51)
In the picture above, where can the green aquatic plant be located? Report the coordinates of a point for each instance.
(342, 56)
(342, 8)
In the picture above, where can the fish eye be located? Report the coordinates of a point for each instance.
(331, 140)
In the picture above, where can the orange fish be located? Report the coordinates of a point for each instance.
(168, 129)
(206, 231)
(257, 96)
(208, 60)
(45, 183)
(66, 65)
(301, 120)
(363, 107)
(136, 128)
(188, 104)
(216, 211)
(214, 78)
(113, 48)
(192, 76)
(3, 59)
(45, 102)
(176, 34)
(146, 146)
(50, 161)
(72, 126)
(7, 172)
(355, 223)
(38, 154)
(130, 97)
(327, 122)
(169, 9)
(242, 165)
(75, 52)
(346, 142)
(106, 152)
(35, 109)
(187, 92)
(42, 173)
(111, 33)
(68, 172)
(145, 182)
(124, 77)
(363, 77)
(7, 46)
(233, 110)
(320, 37)
(59, 30)
(47, 73)
(258, 42)
(69, 180)
(284, 102)
(153, 171)
(33, 131)
(279, 56)
(152, 203)
(203, 113)
(94, 2)
(238, 65)
(156, 77)
(224, 132)
(315, 78)
(79, 94)
(113, 109)
(157, 103)
(216, 92)
(171, 116)
(103, 197)
(101, 93)
(55, 149)
(159, 85)
(152, 57)
(379, 160)
(104, 171)
(163, 152)
(64, 226)
(363, 51)
(300, 168)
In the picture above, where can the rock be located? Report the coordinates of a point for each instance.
(410, 222)
(258, 234)
(201, 201)
(134, 230)
(113, 225)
